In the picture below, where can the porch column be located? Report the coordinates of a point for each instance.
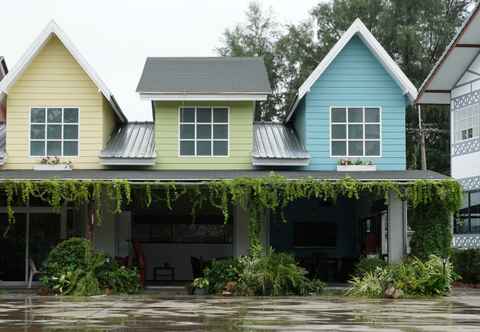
(397, 228)
(240, 231)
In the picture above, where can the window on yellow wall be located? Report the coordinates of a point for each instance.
(54, 131)
(203, 131)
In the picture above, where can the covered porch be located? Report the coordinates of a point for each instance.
(326, 236)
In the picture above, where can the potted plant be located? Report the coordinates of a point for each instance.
(200, 286)
(347, 165)
(53, 164)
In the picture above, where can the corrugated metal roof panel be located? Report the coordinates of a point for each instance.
(205, 75)
(132, 141)
(276, 141)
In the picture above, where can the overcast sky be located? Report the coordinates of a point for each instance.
(115, 36)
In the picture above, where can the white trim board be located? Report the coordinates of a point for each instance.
(358, 28)
(50, 30)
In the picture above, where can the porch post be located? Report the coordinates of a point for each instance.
(397, 228)
(240, 231)
(90, 231)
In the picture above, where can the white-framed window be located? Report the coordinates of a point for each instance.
(355, 131)
(467, 123)
(203, 131)
(54, 131)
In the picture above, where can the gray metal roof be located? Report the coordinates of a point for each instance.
(205, 75)
(131, 141)
(198, 175)
(276, 141)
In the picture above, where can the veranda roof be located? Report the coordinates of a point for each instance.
(199, 175)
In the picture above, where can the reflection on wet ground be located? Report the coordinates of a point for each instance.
(459, 312)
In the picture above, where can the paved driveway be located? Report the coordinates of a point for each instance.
(460, 312)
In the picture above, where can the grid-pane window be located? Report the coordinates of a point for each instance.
(355, 131)
(467, 123)
(204, 131)
(54, 131)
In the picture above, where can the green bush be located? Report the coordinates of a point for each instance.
(412, 277)
(269, 274)
(74, 268)
(467, 265)
(368, 264)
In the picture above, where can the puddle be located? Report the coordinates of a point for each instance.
(149, 313)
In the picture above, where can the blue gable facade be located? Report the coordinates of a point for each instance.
(355, 78)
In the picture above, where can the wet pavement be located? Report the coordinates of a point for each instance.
(459, 312)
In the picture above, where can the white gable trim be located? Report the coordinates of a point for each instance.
(358, 28)
(53, 29)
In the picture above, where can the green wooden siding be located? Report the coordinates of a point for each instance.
(240, 143)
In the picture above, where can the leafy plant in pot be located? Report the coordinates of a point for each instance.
(200, 286)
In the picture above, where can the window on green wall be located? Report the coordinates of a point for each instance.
(54, 131)
(355, 132)
(204, 131)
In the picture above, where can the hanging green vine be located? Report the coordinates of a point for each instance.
(255, 195)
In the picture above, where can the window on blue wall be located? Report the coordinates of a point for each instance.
(355, 131)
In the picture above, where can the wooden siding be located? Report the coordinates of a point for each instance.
(166, 139)
(54, 78)
(355, 78)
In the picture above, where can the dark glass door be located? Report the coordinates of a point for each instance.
(45, 230)
(12, 248)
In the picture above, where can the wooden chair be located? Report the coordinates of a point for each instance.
(33, 272)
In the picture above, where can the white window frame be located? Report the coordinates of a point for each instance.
(195, 140)
(474, 121)
(45, 139)
(363, 139)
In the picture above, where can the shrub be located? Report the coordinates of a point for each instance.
(467, 265)
(412, 277)
(74, 268)
(368, 264)
(269, 274)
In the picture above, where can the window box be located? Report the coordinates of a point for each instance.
(46, 167)
(356, 168)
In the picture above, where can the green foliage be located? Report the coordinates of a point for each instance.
(467, 265)
(201, 283)
(412, 277)
(74, 268)
(267, 274)
(369, 264)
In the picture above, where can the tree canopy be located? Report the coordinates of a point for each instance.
(415, 33)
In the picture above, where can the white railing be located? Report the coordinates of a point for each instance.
(466, 241)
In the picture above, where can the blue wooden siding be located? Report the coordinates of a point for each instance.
(355, 78)
(299, 121)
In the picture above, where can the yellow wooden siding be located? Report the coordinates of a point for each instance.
(166, 131)
(109, 121)
(55, 79)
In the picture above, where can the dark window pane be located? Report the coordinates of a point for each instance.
(220, 148)
(70, 115)
(187, 148)
(70, 148)
(54, 115)
(37, 131)
(220, 131)
(70, 131)
(339, 115)
(339, 131)
(372, 131)
(220, 115)
(54, 131)
(372, 148)
(355, 115)
(204, 148)
(54, 148)
(38, 115)
(355, 131)
(204, 131)
(204, 115)
(339, 148)
(187, 115)
(355, 148)
(187, 131)
(372, 115)
(314, 234)
(37, 148)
